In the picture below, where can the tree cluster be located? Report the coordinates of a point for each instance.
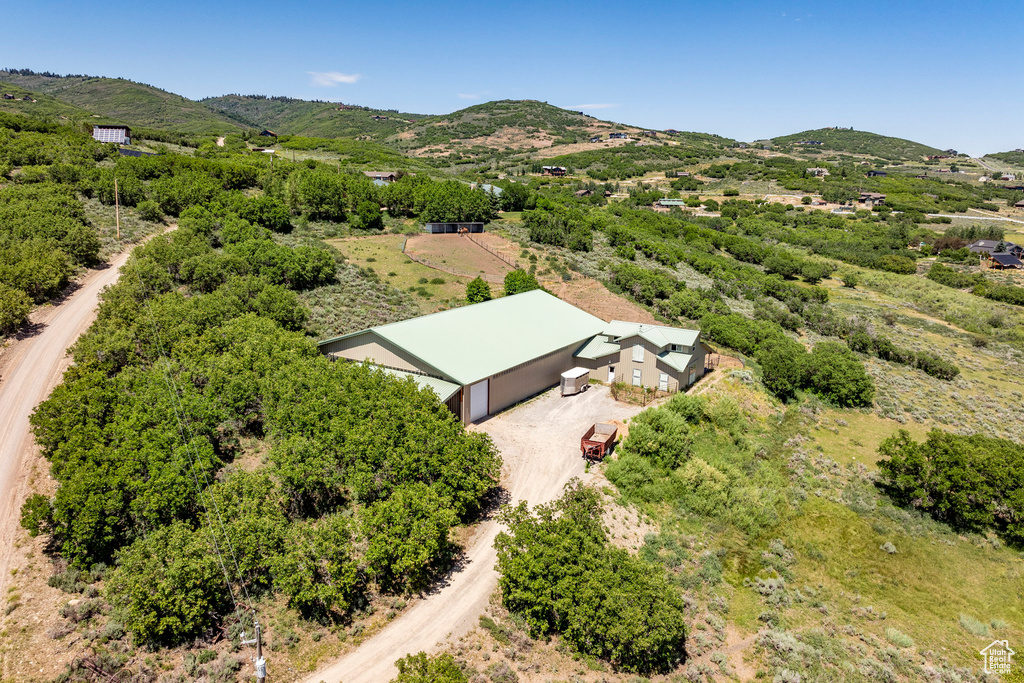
(973, 483)
(560, 574)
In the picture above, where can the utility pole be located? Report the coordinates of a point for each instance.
(117, 210)
(261, 664)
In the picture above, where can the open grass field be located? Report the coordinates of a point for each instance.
(433, 290)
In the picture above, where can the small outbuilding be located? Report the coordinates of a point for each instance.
(121, 135)
(453, 227)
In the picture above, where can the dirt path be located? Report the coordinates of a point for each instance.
(539, 442)
(33, 366)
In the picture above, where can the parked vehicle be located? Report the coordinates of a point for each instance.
(574, 381)
(598, 440)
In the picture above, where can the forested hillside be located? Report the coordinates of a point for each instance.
(125, 101)
(854, 142)
(288, 116)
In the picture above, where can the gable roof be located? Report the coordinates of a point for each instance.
(677, 361)
(1006, 259)
(658, 335)
(474, 342)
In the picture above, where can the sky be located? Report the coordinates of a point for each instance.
(942, 73)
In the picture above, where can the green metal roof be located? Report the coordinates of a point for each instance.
(597, 348)
(659, 335)
(444, 390)
(679, 361)
(474, 342)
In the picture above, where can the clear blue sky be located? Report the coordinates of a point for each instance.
(945, 73)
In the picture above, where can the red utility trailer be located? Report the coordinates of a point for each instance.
(598, 440)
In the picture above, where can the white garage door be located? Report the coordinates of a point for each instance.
(478, 401)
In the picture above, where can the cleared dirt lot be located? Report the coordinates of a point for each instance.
(460, 254)
(539, 441)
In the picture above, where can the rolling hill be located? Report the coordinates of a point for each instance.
(287, 116)
(124, 101)
(44, 106)
(852, 141)
(511, 125)
(1015, 157)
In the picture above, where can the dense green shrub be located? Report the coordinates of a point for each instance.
(832, 371)
(518, 281)
(477, 291)
(14, 308)
(419, 668)
(169, 585)
(559, 573)
(974, 483)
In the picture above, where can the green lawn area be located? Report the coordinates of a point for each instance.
(384, 256)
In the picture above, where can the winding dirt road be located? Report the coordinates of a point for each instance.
(540, 445)
(34, 366)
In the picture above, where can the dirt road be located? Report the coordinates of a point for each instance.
(539, 442)
(34, 366)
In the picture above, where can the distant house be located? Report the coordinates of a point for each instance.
(377, 117)
(671, 131)
(9, 96)
(995, 246)
(27, 98)
(672, 202)
(135, 153)
(1010, 177)
(813, 143)
(922, 176)
(876, 174)
(818, 172)
(1004, 261)
(1019, 205)
(121, 135)
(268, 134)
(596, 138)
(936, 157)
(952, 152)
(583, 193)
(677, 174)
(618, 136)
(492, 189)
(872, 199)
(553, 170)
(383, 176)
(651, 133)
(743, 145)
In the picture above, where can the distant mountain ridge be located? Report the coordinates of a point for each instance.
(507, 125)
(124, 101)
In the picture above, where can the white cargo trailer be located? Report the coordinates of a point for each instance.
(574, 381)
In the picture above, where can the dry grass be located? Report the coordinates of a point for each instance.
(383, 254)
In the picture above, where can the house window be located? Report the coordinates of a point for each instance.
(638, 353)
(637, 377)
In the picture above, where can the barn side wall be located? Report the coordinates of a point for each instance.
(514, 385)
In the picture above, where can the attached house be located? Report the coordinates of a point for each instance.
(482, 358)
(665, 358)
